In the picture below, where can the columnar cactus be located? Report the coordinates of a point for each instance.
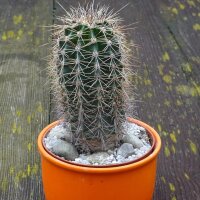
(88, 71)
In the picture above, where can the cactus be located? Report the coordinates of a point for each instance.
(88, 68)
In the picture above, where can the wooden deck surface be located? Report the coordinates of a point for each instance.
(168, 88)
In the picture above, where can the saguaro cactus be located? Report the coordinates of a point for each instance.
(88, 70)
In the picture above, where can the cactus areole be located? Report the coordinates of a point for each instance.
(88, 68)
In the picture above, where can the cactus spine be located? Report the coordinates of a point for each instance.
(88, 70)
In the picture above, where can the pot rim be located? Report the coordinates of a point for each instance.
(146, 158)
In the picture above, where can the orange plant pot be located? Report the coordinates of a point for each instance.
(67, 181)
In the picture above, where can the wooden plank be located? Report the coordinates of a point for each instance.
(169, 95)
(24, 96)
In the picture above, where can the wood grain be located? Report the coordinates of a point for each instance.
(169, 93)
(24, 96)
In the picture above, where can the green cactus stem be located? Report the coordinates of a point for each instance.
(88, 70)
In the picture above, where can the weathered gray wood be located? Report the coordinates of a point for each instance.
(24, 96)
(169, 91)
(170, 50)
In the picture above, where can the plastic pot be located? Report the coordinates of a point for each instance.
(67, 181)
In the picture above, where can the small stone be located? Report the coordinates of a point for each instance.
(110, 152)
(60, 132)
(144, 136)
(125, 150)
(99, 157)
(81, 161)
(143, 132)
(145, 148)
(114, 162)
(65, 149)
(134, 140)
